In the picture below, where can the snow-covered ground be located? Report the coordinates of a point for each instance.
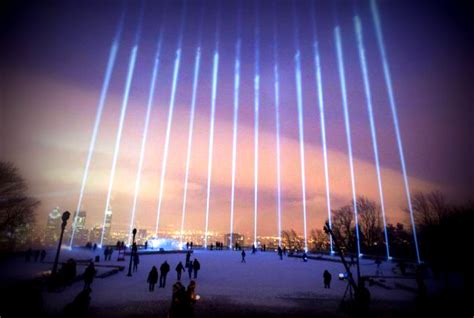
(263, 280)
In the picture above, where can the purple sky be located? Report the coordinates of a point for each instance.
(53, 60)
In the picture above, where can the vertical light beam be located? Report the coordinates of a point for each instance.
(342, 78)
(215, 69)
(393, 107)
(197, 63)
(277, 118)
(319, 83)
(299, 96)
(131, 69)
(368, 97)
(256, 115)
(236, 116)
(170, 118)
(151, 96)
(100, 107)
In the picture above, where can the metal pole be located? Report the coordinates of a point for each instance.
(133, 250)
(65, 217)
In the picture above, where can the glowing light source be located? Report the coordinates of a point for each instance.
(149, 107)
(131, 69)
(277, 118)
(393, 107)
(215, 69)
(190, 137)
(234, 131)
(319, 83)
(368, 97)
(170, 118)
(256, 113)
(299, 97)
(342, 78)
(100, 107)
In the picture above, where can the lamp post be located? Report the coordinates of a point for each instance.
(134, 250)
(65, 217)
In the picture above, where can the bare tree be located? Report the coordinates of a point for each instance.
(370, 222)
(16, 207)
(429, 208)
(343, 226)
(291, 239)
(319, 240)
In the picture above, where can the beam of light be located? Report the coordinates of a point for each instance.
(149, 107)
(215, 69)
(319, 82)
(368, 97)
(256, 114)
(191, 126)
(164, 162)
(100, 107)
(342, 78)
(128, 83)
(277, 117)
(393, 107)
(236, 116)
(299, 96)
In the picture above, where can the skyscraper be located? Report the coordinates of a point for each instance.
(53, 227)
(108, 223)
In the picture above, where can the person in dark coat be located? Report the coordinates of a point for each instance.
(152, 278)
(243, 257)
(37, 254)
(188, 257)
(327, 279)
(136, 261)
(178, 301)
(28, 255)
(190, 269)
(89, 275)
(280, 252)
(179, 269)
(196, 267)
(164, 269)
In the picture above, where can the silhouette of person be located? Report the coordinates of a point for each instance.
(188, 257)
(152, 278)
(280, 252)
(178, 301)
(190, 269)
(179, 269)
(37, 254)
(327, 279)
(164, 269)
(146, 245)
(89, 275)
(136, 261)
(254, 250)
(243, 256)
(196, 267)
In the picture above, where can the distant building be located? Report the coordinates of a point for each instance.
(53, 227)
(236, 238)
(108, 223)
(81, 220)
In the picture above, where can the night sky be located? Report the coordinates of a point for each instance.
(53, 60)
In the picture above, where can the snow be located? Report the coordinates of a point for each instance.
(264, 279)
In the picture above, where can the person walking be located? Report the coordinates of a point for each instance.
(152, 278)
(188, 257)
(327, 279)
(136, 261)
(243, 257)
(179, 269)
(280, 252)
(164, 269)
(42, 256)
(196, 267)
(190, 269)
